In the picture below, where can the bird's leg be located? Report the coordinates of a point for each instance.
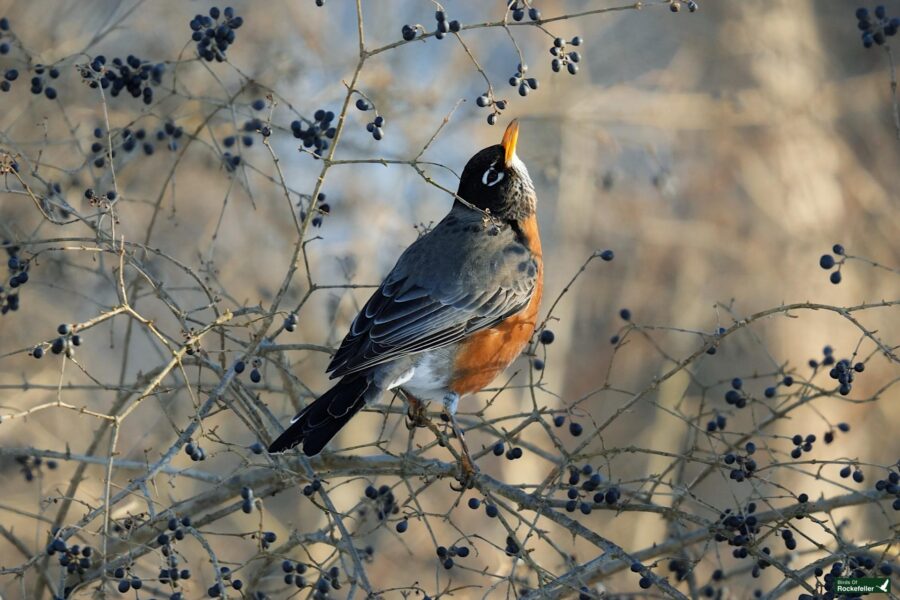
(467, 470)
(415, 412)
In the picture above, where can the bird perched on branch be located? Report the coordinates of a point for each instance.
(458, 307)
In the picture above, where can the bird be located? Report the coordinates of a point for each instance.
(460, 304)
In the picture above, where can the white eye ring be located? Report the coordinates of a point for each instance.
(487, 175)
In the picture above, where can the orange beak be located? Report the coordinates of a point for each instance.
(510, 138)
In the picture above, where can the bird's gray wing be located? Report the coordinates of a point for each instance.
(457, 279)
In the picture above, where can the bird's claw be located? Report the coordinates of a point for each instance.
(416, 415)
(466, 473)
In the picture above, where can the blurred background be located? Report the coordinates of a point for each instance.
(719, 153)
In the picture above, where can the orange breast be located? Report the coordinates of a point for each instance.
(485, 354)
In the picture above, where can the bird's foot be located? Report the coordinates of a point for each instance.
(416, 415)
(466, 473)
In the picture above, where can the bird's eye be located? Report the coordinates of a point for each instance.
(492, 177)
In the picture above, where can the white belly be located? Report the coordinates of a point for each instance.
(428, 379)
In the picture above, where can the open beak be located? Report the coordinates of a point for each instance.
(510, 138)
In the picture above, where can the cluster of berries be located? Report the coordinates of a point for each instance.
(294, 576)
(856, 473)
(742, 466)
(562, 58)
(575, 429)
(517, 9)
(717, 423)
(446, 555)
(636, 567)
(736, 396)
(254, 125)
(844, 373)
(513, 453)
(171, 574)
(170, 132)
(246, 500)
(18, 276)
(490, 510)
(827, 358)
(312, 487)
(4, 36)
(327, 582)
(409, 32)
(802, 444)
(217, 591)
(231, 161)
(828, 262)
(375, 125)
(75, 558)
(578, 498)
(525, 84)
(443, 25)
(38, 84)
(829, 435)
(255, 376)
(102, 201)
(891, 485)
(875, 29)
(383, 499)
(28, 465)
(486, 100)
(681, 568)
(11, 74)
(126, 581)
(65, 343)
(318, 133)
(194, 450)
(177, 532)
(322, 207)
(129, 141)
(215, 33)
(132, 74)
(267, 538)
(293, 573)
(738, 529)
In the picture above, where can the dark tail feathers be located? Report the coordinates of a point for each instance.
(316, 424)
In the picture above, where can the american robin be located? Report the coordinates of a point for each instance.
(458, 307)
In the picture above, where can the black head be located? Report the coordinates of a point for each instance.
(497, 181)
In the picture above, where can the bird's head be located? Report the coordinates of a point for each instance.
(496, 180)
